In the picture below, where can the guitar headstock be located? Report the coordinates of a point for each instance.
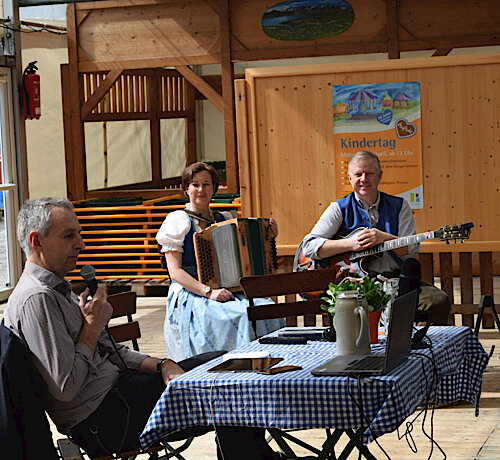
(454, 232)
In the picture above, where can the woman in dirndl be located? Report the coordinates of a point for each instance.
(200, 319)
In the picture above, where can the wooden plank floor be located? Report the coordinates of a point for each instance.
(457, 431)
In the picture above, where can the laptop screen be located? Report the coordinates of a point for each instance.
(400, 329)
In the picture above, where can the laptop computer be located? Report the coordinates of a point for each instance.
(397, 349)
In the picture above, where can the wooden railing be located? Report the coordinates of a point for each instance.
(471, 265)
(464, 263)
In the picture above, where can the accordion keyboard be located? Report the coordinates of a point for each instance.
(205, 255)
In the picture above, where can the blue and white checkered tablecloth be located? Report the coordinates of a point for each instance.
(299, 400)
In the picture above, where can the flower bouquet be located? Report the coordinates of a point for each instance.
(372, 288)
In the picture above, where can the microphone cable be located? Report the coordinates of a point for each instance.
(359, 405)
(87, 272)
(432, 391)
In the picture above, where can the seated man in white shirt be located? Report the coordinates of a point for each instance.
(384, 217)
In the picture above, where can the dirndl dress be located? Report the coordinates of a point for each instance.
(196, 324)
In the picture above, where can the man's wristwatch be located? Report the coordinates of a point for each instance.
(206, 290)
(160, 362)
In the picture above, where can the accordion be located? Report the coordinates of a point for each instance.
(228, 250)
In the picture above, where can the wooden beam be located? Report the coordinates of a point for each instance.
(120, 4)
(111, 78)
(76, 168)
(202, 86)
(67, 130)
(153, 88)
(392, 29)
(363, 48)
(243, 142)
(451, 42)
(442, 52)
(190, 106)
(147, 63)
(309, 51)
(81, 16)
(212, 4)
(228, 96)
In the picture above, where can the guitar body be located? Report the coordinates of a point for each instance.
(342, 262)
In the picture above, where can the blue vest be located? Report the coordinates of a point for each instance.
(188, 257)
(354, 216)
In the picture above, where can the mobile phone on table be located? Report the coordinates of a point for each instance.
(279, 370)
(245, 364)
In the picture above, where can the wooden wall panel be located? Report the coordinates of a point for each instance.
(291, 140)
(133, 34)
(149, 36)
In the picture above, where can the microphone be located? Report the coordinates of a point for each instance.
(409, 279)
(88, 274)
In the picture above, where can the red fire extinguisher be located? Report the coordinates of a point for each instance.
(31, 91)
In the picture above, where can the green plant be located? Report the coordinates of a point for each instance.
(372, 288)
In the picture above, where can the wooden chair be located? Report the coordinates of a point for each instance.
(289, 285)
(124, 306)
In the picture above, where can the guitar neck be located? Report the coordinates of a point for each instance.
(392, 244)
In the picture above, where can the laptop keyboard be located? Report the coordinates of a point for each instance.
(367, 363)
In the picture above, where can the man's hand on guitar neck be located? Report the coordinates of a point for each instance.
(358, 241)
(370, 237)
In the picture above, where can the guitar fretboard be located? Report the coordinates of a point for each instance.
(392, 244)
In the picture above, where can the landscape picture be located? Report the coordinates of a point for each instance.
(307, 19)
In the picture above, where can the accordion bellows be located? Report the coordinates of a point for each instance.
(234, 248)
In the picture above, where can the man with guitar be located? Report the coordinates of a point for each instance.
(366, 218)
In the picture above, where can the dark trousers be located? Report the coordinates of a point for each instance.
(115, 426)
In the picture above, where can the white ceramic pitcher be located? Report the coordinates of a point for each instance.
(352, 324)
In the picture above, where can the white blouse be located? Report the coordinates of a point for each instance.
(175, 227)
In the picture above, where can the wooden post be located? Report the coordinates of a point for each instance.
(232, 169)
(76, 169)
(392, 29)
(189, 107)
(486, 282)
(153, 88)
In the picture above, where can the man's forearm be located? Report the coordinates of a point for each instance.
(89, 336)
(148, 365)
(334, 247)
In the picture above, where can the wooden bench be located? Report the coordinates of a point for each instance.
(120, 240)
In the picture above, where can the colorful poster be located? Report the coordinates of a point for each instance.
(385, 119)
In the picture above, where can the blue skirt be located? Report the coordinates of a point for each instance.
(195, 324)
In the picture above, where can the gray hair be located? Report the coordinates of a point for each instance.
(364, 155)
(34, 216)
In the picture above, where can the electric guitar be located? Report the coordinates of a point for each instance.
(355, 262)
